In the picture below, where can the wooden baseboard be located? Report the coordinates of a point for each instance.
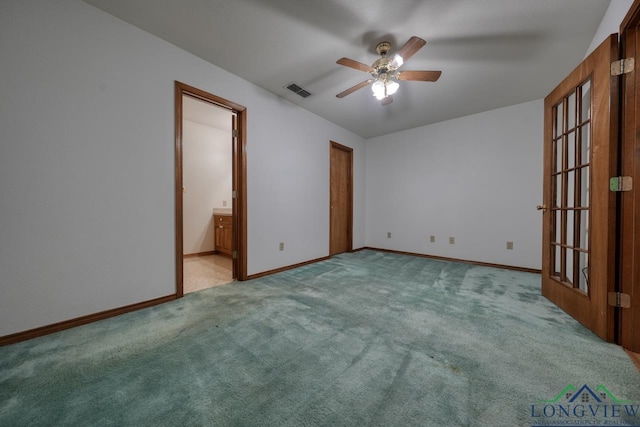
(441, 258)
(199, 254)
(289, 267)
(56, 327)
(484, 264)
(635, 358)
(71, 323)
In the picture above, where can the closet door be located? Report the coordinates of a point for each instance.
(341, 199)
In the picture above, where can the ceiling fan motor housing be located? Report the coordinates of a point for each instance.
(383, 48)
(384, 65)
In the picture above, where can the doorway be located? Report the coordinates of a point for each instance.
(206, 194)
(229, 207)
(341, 199)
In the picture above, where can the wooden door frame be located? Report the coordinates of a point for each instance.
(239, 178)
(628, 268)
(334, 145)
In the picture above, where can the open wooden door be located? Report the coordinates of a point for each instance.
(580, 153)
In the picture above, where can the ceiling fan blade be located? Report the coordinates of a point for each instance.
(410, 48)
(422, 76)
(355, 64)
(386, 100)
(353, 89)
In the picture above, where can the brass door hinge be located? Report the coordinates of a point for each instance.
(234, 194)
(235, 255)
(621, 183)
(618, 299)
(622, 66)
(235, 133)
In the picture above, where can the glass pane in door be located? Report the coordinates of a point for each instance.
(570, 185)
(585, 142)
(571, 111)
(571, 150)
(558, 155)
(559, 127)
(583, 270)
(569, 230)
(584, 230)
(585, 101)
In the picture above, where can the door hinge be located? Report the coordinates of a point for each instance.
(621, 183)
(622, 66)
(234, 194)
(618, 299)
(235, 133)
(235, 255)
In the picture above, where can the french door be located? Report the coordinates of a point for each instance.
(580, 155)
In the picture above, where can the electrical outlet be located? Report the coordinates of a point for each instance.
(432, 239)
(224, 203)
(510, 245)
(282, 246)
(452, 240)
(388, 234)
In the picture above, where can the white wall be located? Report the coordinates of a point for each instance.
(610, 22)
(87, 165)
(477, 178)
(207, 179)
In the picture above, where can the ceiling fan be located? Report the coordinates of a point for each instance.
(384, 72)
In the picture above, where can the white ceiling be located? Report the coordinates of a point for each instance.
(492, 53)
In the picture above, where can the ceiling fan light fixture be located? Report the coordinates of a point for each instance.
(383, 87)
(392, 87)
(378, 88)
(397, 61)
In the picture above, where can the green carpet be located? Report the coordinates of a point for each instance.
(362, 339)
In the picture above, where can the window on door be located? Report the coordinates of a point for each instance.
(571, 184)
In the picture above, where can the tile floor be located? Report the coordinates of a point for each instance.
(206, 271)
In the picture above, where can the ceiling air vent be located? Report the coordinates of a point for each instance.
(293, 87)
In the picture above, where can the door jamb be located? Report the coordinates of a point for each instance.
(628, 252)
(239, 177)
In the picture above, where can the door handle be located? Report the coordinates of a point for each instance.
(542, 208)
